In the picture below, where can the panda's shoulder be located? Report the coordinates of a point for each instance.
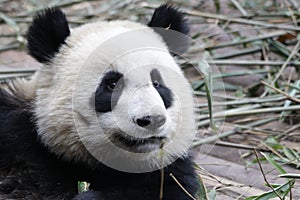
(17, 130)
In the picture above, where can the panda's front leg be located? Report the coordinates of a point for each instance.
(147, 186)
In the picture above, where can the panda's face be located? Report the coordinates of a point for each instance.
(130, 107)
(133, 108)
(132, 89)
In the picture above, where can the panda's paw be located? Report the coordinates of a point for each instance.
(89, 195)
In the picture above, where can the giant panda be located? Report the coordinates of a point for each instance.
(109, 106)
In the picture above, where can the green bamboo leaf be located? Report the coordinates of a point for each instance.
(202, 192)
(276, 165)
(198, 84)
(82, 186)
(281, 190)
(251, 198)
(290, 154)
(217, 5)
(212, 195)
(205, 69)
(272, 142)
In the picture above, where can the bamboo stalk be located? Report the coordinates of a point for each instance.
(17, 71)
(294, 52)
(239, 146)
(3, 77)
(239, 20)
(9, 47)
(292, 86)
(281, 92)
(231, 132)
(240, 52)
(289, 175)
(181, 186)
(256, 111)
(10, 22)
(256, 129)
(206, 122)
(232, 111)
(261, 37)
(59, 4)
(279, 13)
(240, 7)
(248, 101)
(264, 175)
(279, 47)
(214, 95)
(295, 4)
(241, 73)
(250, 110)
(253, 62)
(284, 65)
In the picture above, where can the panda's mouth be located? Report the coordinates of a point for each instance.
(138, 145)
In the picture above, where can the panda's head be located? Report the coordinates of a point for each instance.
(112, 90)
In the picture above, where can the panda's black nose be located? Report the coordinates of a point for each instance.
(151, 122)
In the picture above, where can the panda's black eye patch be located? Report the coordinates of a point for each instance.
(110, 80)
(109, 91)
(159, 85)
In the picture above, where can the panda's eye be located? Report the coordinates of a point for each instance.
(156, 84)
(111, 85)
(111, 81)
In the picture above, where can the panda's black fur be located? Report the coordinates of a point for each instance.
(28, 170)
(49, 27)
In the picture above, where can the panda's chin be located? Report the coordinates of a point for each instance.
(137, 145)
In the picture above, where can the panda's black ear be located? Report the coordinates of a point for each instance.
(167, 17)
(47, 33)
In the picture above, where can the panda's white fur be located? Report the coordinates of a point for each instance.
(66, 119)
(25, 87)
